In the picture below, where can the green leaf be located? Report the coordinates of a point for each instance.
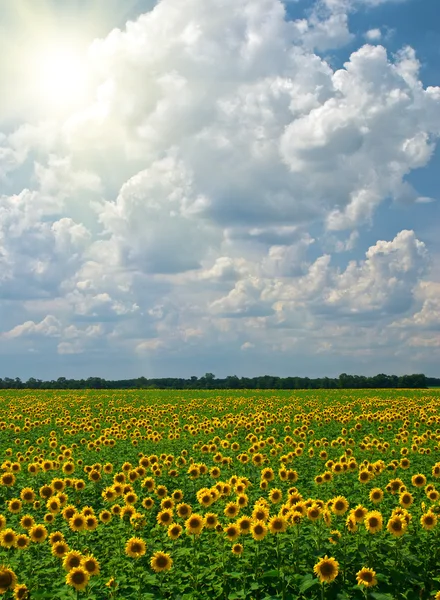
(307, 582)
(270, 574)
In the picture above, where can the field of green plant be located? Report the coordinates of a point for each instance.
(230, 495)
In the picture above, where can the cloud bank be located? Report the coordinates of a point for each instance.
(208, 201)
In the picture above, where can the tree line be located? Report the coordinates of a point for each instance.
(210, 382)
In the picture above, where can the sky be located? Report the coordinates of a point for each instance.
(191, 186)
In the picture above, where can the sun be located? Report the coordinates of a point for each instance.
(60, 78)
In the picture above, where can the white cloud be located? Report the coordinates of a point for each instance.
(373, 35)
(49, 326)
(200, 199)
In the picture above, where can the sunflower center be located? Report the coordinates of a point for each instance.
(5, 579)
(327, 569)
(78, 577)
(74, 562)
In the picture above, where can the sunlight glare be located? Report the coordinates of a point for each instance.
(61, 78)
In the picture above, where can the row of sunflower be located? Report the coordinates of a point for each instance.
(234, 494)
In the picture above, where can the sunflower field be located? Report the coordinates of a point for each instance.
(149, 494)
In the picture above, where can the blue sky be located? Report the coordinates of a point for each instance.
(240, 188)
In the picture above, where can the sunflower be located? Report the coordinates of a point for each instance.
(161, 561)
(396, 484)
(397, 525)
(350, 523)
(428, 520)
(260, 512)
(2, 521)
(364, 476)
(244, 524)
(373, 521)
(405, 499)
(313, 513)
(326, 569)
(21, 592)
(77, 522)
(327, 516)
(167, 503)
(148, 503)
(59, 549)
(366, 577)
(275, 495)
(46, 492)
(335, 536)
(300, 507)
(237, 549)
(174, 531)
(433, 495)
(68, 512)
(132, 498)
(72, 560)
(184, 510)
(91, 523)
(376, 495)
(23, 541)
(56, 536)
(58, 484)
(165, 517)
(7, 479)
(205, 498)
(418, 480)
(211, 520)
(49, 518)
(78, 578)
(194, 524)
(267, 474)
(105, 516)
(90, 564)
(277, 524)
(403, 513)
(340, 505)
(161, 491)
(258, 530)
(135, 547)
(68, 468)
(231, 510)
(109, 494)
(8, 537)
(14, 506)
(359, 513)
(232, 532)
(8, 579)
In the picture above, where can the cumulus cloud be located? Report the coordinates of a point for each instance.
(49, 326)
(202, 196)
(373, 35)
